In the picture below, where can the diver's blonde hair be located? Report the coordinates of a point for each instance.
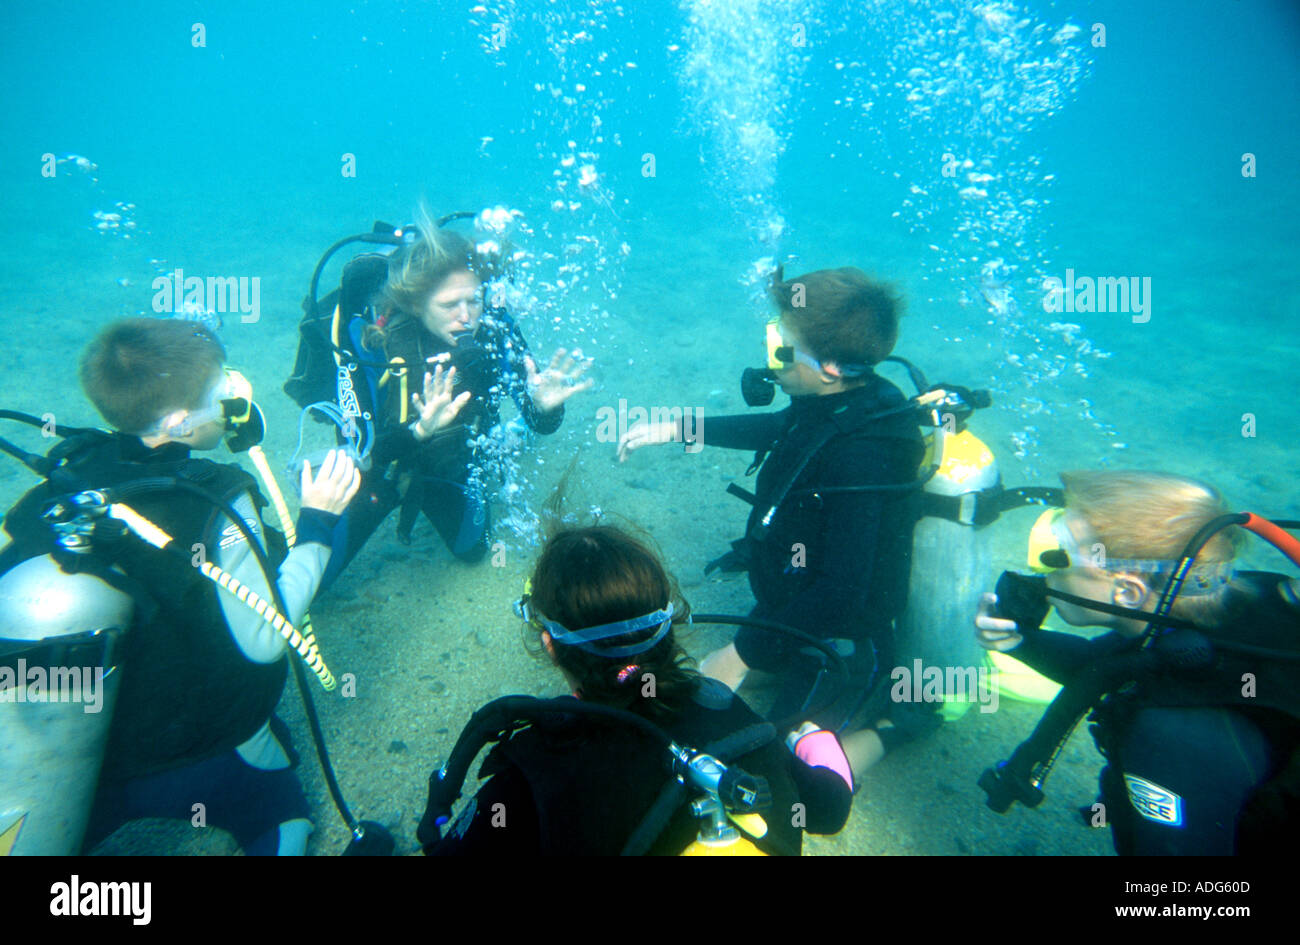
(1153, 515)
(417, 270)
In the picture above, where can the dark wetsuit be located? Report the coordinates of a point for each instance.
(582, 788)
(1181, 777)
(832, 564)
(445, 476)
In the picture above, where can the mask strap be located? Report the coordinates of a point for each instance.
(587, 636)
(1118, 611)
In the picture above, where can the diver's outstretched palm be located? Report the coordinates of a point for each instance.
(560, 381)
(437, 408)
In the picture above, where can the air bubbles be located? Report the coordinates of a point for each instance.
(118, 222)
(1065, 34)
(496, 221)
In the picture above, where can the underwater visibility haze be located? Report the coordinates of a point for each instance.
(1090, 208)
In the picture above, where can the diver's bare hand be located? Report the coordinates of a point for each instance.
(437, 408)
(995, 633)
(334, 485)
(560, 381)
(646, 434)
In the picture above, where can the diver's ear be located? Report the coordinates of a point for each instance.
(549, 644)
(171, 427)
(1129, 591)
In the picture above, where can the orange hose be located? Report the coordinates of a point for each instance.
(1275, 535)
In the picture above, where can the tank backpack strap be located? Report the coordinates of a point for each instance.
(824, 434)
(323, 331)
(843, 422)
(229, 483)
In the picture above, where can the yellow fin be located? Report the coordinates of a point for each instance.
(9, 836)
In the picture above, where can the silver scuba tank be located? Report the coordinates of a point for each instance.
(951, 567)
(59, 634)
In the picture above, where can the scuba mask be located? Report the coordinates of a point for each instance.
(245, 425)
(586, 637)
(232, 400)
(1053, 547)
(757, 385)
(781, 354)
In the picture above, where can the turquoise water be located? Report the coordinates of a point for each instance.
(813, 133)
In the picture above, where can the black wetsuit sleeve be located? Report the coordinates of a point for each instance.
(516, 381)
(826, 798)
(744, 431)
(503, 821)
(1058, 656)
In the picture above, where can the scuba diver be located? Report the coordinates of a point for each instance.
(610, 770)
(198, 668)
(828, 541)
(410, 314)
(1193, 692)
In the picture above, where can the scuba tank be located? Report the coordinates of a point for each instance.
(63, 629)
(725, 797)
(952, 559)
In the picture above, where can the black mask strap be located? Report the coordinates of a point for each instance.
(1117, 611)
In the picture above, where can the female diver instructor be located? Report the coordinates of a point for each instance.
(437, 457)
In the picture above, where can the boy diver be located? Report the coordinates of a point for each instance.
(1197, 753)
(202, 672)
(828, 542)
